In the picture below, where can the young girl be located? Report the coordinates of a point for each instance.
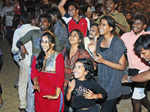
(83, 91)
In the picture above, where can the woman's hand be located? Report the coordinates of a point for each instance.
(47, 97)
(53, 97)
(98, 58)
(126, 79)
(36, 87)
(71, 85)
(89, 95)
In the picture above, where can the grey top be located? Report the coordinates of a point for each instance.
(35, 37)
(61, 33)
(109, 78)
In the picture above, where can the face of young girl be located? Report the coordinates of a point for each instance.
(79, 71)
(74, 38)
(45, 44)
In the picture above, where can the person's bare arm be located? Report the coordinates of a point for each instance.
(61, 7)
(123, 27)
(71, 87)
(142, 77)
(56, 96)
(119, 66)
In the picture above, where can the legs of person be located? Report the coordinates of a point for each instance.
(9, 34)
(30, 95)
(1, 100)
(109, 106)
(146, 103)
(136, 104)
(137, 96)
(22, 84)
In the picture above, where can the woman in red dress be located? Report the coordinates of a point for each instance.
(48, 77)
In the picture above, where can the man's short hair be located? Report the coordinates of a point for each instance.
(142, 42)
(73, 4)
(94, 24)
(141, 17)
(46, 16)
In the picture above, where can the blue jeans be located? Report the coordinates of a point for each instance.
(30, 96)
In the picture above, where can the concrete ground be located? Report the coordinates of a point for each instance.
(9, 74)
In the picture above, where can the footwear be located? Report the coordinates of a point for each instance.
(22, 110)
(16, 86)
(1, 103)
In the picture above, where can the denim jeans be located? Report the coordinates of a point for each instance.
(30, 95)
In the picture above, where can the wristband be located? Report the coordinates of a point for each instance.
(129, 79)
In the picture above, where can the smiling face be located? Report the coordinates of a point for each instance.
(104, 27)
(72, 10)
(93, 32)
(45, 44)
(145, 54)
(74, 38)
(138, 26)
(79, 71)
(109, 6)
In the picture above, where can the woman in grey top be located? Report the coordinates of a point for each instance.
(111, 62)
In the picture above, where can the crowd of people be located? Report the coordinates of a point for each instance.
(73, 55)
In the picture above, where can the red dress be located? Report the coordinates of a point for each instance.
(48, 82)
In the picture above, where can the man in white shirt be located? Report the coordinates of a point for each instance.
(24, 64)
(92, 37)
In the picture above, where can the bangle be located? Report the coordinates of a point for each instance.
(129, 79)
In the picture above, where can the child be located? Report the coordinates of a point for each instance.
(1, 62)
(83, 91)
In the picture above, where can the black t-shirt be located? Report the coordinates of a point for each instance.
(78, 101)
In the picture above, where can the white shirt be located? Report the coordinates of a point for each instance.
(19, 33)
(8, 12)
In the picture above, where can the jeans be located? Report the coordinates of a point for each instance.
(109, 106)
(30, 95)
(22, 84)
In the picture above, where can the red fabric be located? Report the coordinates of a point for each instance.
(48, 82)
(82, 25)
(17, 9)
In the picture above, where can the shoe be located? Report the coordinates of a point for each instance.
(1, 104)
(16, 86)
(22, 110)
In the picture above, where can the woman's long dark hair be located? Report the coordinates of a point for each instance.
(41, 56)
(111, 22)
(88, 65)
(81, 44)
